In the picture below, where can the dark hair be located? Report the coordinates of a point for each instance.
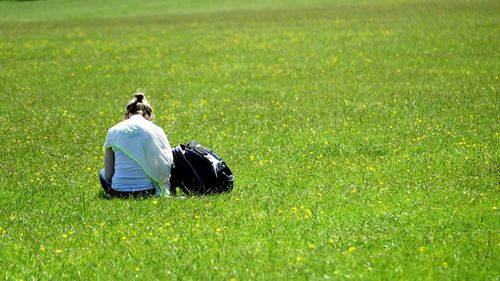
(139, 105)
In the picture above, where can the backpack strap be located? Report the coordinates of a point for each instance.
(193, 170)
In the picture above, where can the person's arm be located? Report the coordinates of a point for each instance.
(109, 164)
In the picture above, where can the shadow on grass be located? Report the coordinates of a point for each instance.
(104, 196)
(101, 195)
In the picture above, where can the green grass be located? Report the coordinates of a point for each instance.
(364, 136)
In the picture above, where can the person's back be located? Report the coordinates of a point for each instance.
(129, 176)
(138, 157)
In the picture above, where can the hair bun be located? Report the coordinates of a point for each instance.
(139, 97)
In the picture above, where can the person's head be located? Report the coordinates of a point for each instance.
(139, 105)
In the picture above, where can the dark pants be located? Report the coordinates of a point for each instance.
(123, 194)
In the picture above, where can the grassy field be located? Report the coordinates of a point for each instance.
(364, 136)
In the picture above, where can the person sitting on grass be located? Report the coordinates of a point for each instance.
(137, 155)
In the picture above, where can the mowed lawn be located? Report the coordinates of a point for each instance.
(364, 137)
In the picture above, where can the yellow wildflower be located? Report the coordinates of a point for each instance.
(421, 249)
(308, 214)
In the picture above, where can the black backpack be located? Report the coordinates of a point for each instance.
(199, 171)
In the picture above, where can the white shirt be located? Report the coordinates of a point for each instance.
(129, 176)
(141, 148)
